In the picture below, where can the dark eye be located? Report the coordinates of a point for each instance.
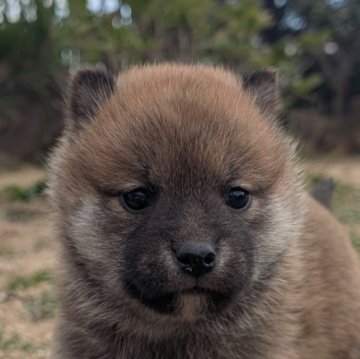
(137, 199)
(238, 198)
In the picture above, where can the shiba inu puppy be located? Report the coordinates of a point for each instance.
(185, 229)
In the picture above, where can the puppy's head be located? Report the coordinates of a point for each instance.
(175, 190)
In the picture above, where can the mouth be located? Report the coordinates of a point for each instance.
(168, 302)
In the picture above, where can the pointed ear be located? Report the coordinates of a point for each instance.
(264, 87)
(89, 89)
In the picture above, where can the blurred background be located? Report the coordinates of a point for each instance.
(314, 43)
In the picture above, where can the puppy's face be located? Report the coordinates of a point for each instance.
(174, 190)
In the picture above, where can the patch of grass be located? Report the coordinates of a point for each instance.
(314, 179)
(42, 307)
(14, 342)
(24, 194)
(24, 282)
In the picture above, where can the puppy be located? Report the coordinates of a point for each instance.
(185, 229)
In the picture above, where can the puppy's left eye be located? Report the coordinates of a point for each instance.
(238, 198)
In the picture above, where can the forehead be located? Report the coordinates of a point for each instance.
(182, 127)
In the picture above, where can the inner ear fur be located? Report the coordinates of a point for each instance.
(264, 87)
(90, 88)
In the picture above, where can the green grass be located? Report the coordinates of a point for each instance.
(41, 307)
(24, 194)
(24, 282)
(14, 342)
(314, 179)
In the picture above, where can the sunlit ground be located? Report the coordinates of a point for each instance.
(28, 251)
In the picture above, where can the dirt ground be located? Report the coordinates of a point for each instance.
(28, 259)
(26, 248)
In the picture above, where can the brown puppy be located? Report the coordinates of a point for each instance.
(185, 230)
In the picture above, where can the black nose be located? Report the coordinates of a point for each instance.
(196, 258)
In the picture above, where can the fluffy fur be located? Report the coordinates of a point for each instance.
(286, 283)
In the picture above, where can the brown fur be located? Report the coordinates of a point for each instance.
(286, 284)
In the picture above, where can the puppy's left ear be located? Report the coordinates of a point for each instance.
(264, 87)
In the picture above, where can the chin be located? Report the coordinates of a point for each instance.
(185, 304)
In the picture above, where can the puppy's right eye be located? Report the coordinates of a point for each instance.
(136, 199)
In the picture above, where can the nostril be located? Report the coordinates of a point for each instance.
(185, 259)
(209, 259)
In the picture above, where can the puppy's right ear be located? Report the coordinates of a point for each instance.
(90, 88)
(263, 85)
